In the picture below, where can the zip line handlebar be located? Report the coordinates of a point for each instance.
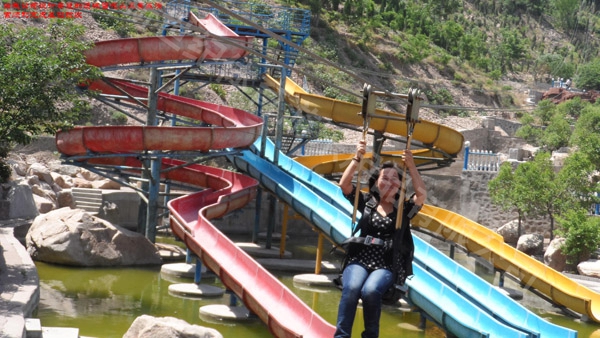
(412, 117)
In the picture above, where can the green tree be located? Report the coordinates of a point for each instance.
(512, 48)
(549, 124)
(529, 130)
(41, 69)
(576, 186)
(335, 4)
(348, 7)
(506, 192)
(538, 184)
(315, 8)
(535, 189)
(555, 66)
(572, 108)
(448, 36)
(581, 233)
(588, 75)
(586, 135)
(557, 134)
(472, 45)
(544, 112)
(566, 12)
(414, 48)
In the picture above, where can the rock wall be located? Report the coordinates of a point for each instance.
(468, 196)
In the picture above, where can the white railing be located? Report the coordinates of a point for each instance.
(480, 160)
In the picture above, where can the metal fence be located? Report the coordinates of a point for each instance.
(318, 147)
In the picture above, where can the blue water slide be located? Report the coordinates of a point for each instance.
(453, 312)
(436, 267)
(326, 189)
(320, 212)
(484, 295)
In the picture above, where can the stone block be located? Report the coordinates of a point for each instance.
(33, 328)
(516, 154)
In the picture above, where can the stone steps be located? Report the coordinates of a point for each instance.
(87, 199)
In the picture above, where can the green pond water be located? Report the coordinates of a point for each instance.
(103, 302)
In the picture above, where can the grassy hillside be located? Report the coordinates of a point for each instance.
(477, 53)
(480, 52)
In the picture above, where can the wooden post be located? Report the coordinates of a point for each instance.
(319, 254)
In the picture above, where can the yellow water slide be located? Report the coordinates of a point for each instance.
(443, 141)
(440, 141)
(491, 246)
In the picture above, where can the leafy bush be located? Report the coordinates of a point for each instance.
(113, 20)
(588, 75)
(529, 131)
(557, 134)
(218, 89)
(42, 69)
(441, 97)
(117, 118)
(413, 49)
(4, 172)
(329, 133)
(581, 233)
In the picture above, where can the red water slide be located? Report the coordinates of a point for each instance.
(284, 313)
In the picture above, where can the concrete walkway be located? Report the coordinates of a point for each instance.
(19, 285)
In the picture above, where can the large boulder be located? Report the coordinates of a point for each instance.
(40, 171)
(19, 200)
(589, 268)
(531, 244)
(74, 237)
(510, 232)
(146, 326)
(42, 204)
(553, 257)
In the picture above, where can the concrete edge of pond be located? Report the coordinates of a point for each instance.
(19, 285)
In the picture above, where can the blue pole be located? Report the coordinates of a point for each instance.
(198, 274)
(466, 162)
(188, 256)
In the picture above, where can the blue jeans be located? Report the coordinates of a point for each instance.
(359, 283)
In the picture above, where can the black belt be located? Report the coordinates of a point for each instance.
(369, 240)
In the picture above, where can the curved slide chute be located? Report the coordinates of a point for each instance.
(232, 127)
(442, 141)
(336, 163)
(284, 313)
(483, 294)
(164, 48)
(210, 23)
